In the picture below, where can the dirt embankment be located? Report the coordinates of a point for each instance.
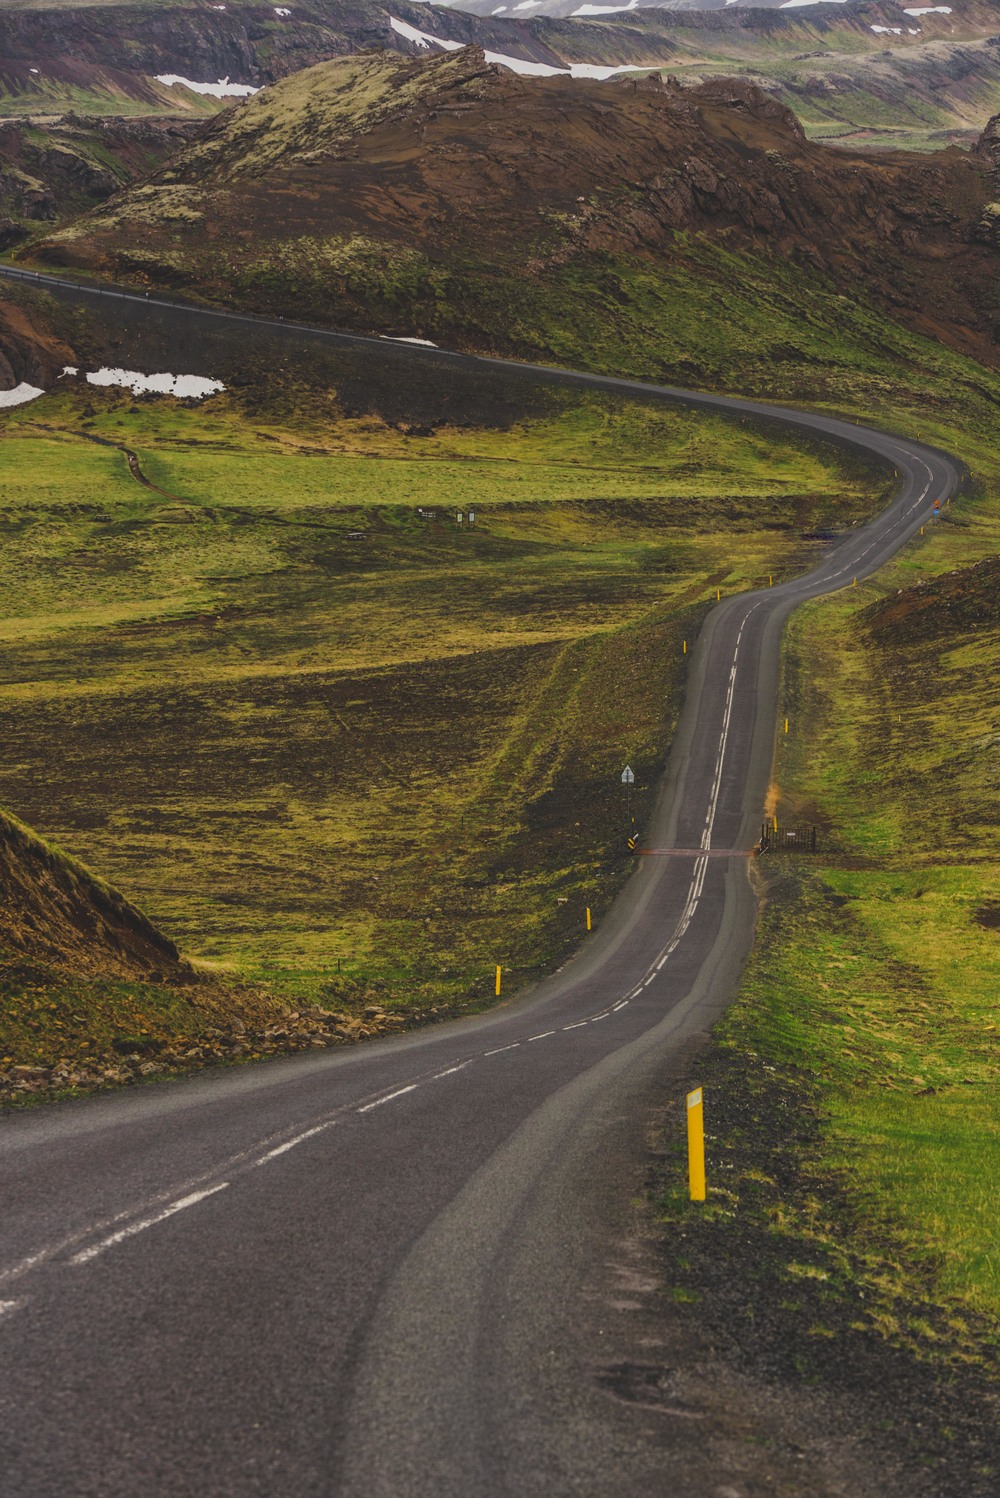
(30, 353)
(55, 910)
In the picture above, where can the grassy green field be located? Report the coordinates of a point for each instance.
(397, 755)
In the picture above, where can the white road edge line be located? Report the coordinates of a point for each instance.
(85, 1256)
(400, 1091)
(501, 1048)
(544, 1036)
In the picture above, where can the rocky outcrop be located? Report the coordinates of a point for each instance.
(987, 149)
(51, 172)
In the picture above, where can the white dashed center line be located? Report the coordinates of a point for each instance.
(85, 1256)
(282, 1149)
(400, 1092)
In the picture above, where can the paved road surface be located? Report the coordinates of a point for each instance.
(357, 1272)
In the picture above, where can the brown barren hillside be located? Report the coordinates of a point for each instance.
(30, 352)
(55, 911)
(369, 186)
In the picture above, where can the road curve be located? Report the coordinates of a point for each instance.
(357, 1272)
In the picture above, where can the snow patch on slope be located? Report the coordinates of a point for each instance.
(185, 387)
(221, 90)
(19, 395)
(516, 64)
(422, 38)
(607, 10)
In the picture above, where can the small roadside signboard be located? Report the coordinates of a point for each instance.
(628, 776)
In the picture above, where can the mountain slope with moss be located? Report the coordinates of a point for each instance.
(448, 199)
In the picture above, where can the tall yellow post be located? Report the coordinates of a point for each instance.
(770, 579)
(786, 725)
(685, 647)
(855, 583)
(718, 595)
(588, 917)
(498, 980)
(696, 1145)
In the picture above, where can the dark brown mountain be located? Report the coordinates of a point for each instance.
(397, 194)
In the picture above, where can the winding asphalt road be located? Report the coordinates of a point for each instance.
(358, 1272)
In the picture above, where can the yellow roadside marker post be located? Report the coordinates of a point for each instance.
(696, 1145)
(786, 725)
(685, 647)
(718, 595)
(588, 917)
(770, 579)
(855, 583)
(498, 979)
(775, 821)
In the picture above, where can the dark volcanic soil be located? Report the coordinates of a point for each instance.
(744, 1342)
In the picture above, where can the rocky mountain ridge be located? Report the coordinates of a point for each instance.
(385, 172)
(107, 58)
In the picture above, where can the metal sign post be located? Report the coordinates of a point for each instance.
(628, 780)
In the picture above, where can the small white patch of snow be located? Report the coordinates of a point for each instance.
(929, 10)
(527, 4)
(498, 10)
(218, 7)
(279, 10)
(69, 369)
(796, 4)
(32, 70)
(424, 342)
(422, 38)
(911, 31)
(593, 70)
(19, 395)
(887, 30)
(221, 90)
(527, 69)
(614, 10)
(185, 387)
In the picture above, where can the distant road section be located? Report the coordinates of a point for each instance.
(358, 1273)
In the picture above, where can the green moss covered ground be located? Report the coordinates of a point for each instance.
(392, 758)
